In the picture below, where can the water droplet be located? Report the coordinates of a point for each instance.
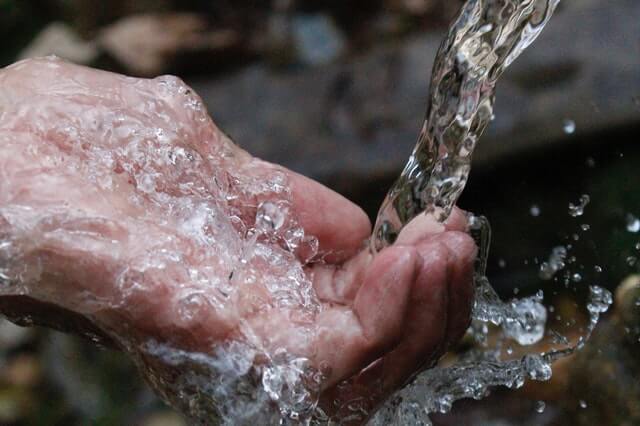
(576, 278)
(632, 260)
(583, 404)
(269, 217)
(537, 368)
(590, 162)
(585, 227)
(569, 126)
(633, 223)
(527, 325)
(534, 211)
(502, 263)
(637, 246)
(577, 210)
(597, 268)
(540, 406)
(599, 300)
(555, 263)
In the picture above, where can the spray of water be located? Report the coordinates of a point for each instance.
(247, 381)
(484, 40)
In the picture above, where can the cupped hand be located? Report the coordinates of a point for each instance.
(122, 203)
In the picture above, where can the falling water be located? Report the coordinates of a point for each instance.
(485, 39)
(225, 384)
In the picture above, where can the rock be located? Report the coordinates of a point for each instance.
(369, 110)
(61, 40)
(22, 371)
(627, 303)
(317, 40)
(15, 403)
(164, 418)
(153, 44)
(12, 335)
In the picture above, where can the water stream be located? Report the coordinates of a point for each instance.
(486, 38)
(223, 249)
(228, 386)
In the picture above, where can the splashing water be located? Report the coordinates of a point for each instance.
(485, 39)
(633, 224)
(577, 210)
(569, 127)
(249, 381)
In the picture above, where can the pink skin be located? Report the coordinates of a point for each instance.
(396, 312)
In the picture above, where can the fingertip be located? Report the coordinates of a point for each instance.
(420, 227)
(457, 220)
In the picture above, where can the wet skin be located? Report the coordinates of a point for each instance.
(383, 318)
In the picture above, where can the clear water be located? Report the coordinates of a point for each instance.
(485, 39)
(191, 206)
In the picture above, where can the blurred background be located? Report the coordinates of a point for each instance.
(336, 89)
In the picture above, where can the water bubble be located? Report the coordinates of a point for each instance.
(576, 278)
(540, 406)
(569, 126)
(537, 368)
(583, 403)
(633, 223)
(527, 326)
(577, 210)
(632, 260)
(534, 211)
(637, 246)
(555, 263)
(269, 216)
(590, 162)
(597, 268)
(585, 227)
(599, 300)
(444, 404)
(502, 263)
(558, 338)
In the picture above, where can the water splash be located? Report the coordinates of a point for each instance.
(577, 210)
(569, 127)
(556, 263)
(485, 39)
(633, 223)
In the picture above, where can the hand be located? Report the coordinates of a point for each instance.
(122, 203)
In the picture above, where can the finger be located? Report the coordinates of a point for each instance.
(457, 220)
(461, 289)
(438, 315)
(425, 225)
(340, 283)
(350, 339)
(426, 323)
(340, 226)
